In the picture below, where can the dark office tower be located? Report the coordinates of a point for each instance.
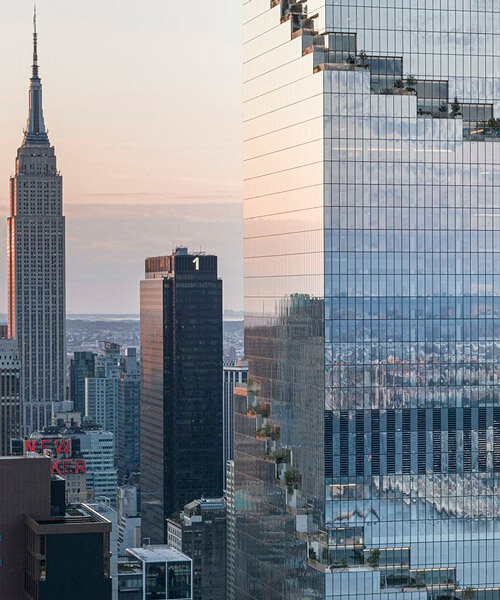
(82, 365)
(129, 417)
(36, 267)
(181, 386)
(200, 533)
(367, 451)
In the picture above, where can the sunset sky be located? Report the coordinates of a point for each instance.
(142, 102)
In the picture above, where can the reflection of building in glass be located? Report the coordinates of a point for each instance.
(367, 448)
(155, 573)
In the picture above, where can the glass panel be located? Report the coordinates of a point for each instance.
(179, 580)
(155, 581)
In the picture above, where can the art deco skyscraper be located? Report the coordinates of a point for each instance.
(36, 266)
(367, 446)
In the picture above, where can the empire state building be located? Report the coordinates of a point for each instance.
(36, 266)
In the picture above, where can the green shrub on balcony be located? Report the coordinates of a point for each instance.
(292, 479)
(374, 558)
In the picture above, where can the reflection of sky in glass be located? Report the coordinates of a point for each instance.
(403, 260)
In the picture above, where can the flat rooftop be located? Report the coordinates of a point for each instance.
(157, 554)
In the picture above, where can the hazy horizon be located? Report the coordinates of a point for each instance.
(146, 132)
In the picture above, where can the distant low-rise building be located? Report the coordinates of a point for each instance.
(155, 572)
(129, 518)
(200, 532)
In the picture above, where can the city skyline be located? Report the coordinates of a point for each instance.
(166, 188)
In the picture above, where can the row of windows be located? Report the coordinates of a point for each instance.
(395, 441)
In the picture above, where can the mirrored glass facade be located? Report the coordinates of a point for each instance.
(367, 447)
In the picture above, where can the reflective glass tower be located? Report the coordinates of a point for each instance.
(367, 448)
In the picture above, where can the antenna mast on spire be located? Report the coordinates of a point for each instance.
(35, 45)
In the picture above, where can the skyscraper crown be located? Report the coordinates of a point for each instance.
(35, 134)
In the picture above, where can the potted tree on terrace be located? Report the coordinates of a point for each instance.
(374, 558)
(456, 109)
(351, 62)
(362, 58)
(400, 87)
(411, 82)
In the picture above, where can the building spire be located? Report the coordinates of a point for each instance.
(35, 134)
(35, 45)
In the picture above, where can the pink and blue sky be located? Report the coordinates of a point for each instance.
(142, 102)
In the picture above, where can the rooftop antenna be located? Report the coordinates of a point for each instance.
(35, 44)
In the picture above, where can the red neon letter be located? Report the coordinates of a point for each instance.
(61, 445)
(45, 443)
(67, 464)
(80, 466)
(55, 467)
(29, 446)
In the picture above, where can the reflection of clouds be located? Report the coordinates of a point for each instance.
(466, 496)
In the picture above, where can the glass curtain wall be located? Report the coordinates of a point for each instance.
(367, 449)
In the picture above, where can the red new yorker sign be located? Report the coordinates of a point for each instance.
(62, 463)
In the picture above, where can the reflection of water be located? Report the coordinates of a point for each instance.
(449, 521)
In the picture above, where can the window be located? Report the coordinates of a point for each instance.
(155, 581)
(179, 580)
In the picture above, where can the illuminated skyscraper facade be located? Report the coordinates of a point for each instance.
(367, 447)
(36, 267)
